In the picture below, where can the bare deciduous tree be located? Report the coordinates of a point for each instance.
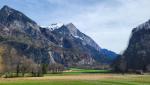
(56, 68)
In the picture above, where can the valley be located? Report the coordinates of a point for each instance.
(60, 54)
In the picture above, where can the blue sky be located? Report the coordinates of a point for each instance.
(108, 22)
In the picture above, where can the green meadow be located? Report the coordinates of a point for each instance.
(76, 76)
(77, 71)
(121, 80)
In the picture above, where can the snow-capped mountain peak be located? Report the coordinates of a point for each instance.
(55, 26)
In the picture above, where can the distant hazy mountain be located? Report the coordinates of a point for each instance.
(63, 44)
(110, 54)
(137, 54)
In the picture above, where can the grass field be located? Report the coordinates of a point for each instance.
(77, 71)
(80, 77)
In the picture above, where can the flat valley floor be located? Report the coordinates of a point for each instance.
(80, 79)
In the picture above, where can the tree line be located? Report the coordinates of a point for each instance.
(13, 64)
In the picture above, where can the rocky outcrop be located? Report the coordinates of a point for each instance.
(136, 56)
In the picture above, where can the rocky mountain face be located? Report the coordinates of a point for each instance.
(19, 32)
(65, 44)
(75, 46)
(136, 56)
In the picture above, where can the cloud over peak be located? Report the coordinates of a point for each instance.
(106, 21)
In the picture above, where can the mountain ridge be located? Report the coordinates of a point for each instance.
(65, 45)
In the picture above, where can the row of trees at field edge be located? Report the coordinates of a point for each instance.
(13, 64)
(30, 68)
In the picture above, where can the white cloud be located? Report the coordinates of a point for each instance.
(108, 22)
(110, 26)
